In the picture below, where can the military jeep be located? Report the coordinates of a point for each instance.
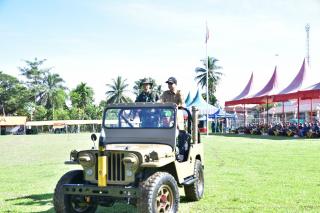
(146, 152)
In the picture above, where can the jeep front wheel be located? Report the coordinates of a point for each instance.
(71, 203)
(194, 192)
(160, 194)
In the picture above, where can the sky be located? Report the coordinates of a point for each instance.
(95, 41)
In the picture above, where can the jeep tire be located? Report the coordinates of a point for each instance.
(71, 203)
(160, 193)
(194, 192)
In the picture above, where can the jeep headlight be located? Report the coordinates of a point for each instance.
(86, 159)
(131, 163)
(89, 172)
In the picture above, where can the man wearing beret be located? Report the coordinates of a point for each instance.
(173, 94)
(147, 95)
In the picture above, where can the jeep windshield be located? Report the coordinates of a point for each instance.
(139, 117)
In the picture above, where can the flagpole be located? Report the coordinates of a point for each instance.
(207, 75)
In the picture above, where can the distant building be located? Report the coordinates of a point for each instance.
(12, 124)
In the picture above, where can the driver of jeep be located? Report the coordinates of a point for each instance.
(167, 119)
(149, 118)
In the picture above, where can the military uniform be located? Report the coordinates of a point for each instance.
(169, 96)
(147, 97)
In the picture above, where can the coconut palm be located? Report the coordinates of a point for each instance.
(51, 91)
(82, 96)
(117, 90)
(213, 75)
(158, 90)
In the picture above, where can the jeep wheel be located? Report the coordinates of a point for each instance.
(194, 192)
(71, 203)
(160, 194)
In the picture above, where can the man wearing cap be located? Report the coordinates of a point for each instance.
(172, 95)
(147, 95)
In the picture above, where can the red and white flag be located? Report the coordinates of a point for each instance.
(207, 33)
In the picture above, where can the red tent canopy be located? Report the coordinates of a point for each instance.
(296, 82)
(288, 93)
(246, 90)
(261, 96)
(312, 92)
(291, 91)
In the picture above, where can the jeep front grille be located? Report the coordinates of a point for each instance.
(116, 170)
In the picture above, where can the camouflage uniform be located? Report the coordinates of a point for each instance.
(147, 97)
(169, 96)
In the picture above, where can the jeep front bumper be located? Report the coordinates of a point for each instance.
(109, 191)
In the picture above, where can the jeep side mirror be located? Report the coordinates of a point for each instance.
(93, 137)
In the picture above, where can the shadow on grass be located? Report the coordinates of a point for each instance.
(46, 199)
(264, 137)
(51, 210)
(34, 200)
(38, 199)
(117, 208)
(183, 199)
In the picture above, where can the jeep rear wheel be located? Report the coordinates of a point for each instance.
(194, 192)
(160, 194)
(71, 203)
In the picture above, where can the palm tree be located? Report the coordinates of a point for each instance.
(82, 96)
(116, 92)
(213, 76)
(50, 90)
(158, 90)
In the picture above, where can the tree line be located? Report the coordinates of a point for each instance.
(43, 95)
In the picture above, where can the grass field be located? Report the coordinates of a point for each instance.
(242, 174)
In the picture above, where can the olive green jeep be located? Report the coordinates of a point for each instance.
(146, 152)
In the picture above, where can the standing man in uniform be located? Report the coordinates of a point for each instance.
(147, 95)
(173, 94)
(147, 117)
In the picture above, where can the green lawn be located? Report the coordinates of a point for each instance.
(242, 174)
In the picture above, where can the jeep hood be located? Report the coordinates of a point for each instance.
(143, 149)
(148, 137)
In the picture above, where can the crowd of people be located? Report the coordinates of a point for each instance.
(310, 130)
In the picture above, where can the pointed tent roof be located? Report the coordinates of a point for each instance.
(202, 105)
(314, 87)
(296, 83)
(261, 96)
(188, 99)
(246, 90)
(270, 86)
(311, 92)
(292, 90)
